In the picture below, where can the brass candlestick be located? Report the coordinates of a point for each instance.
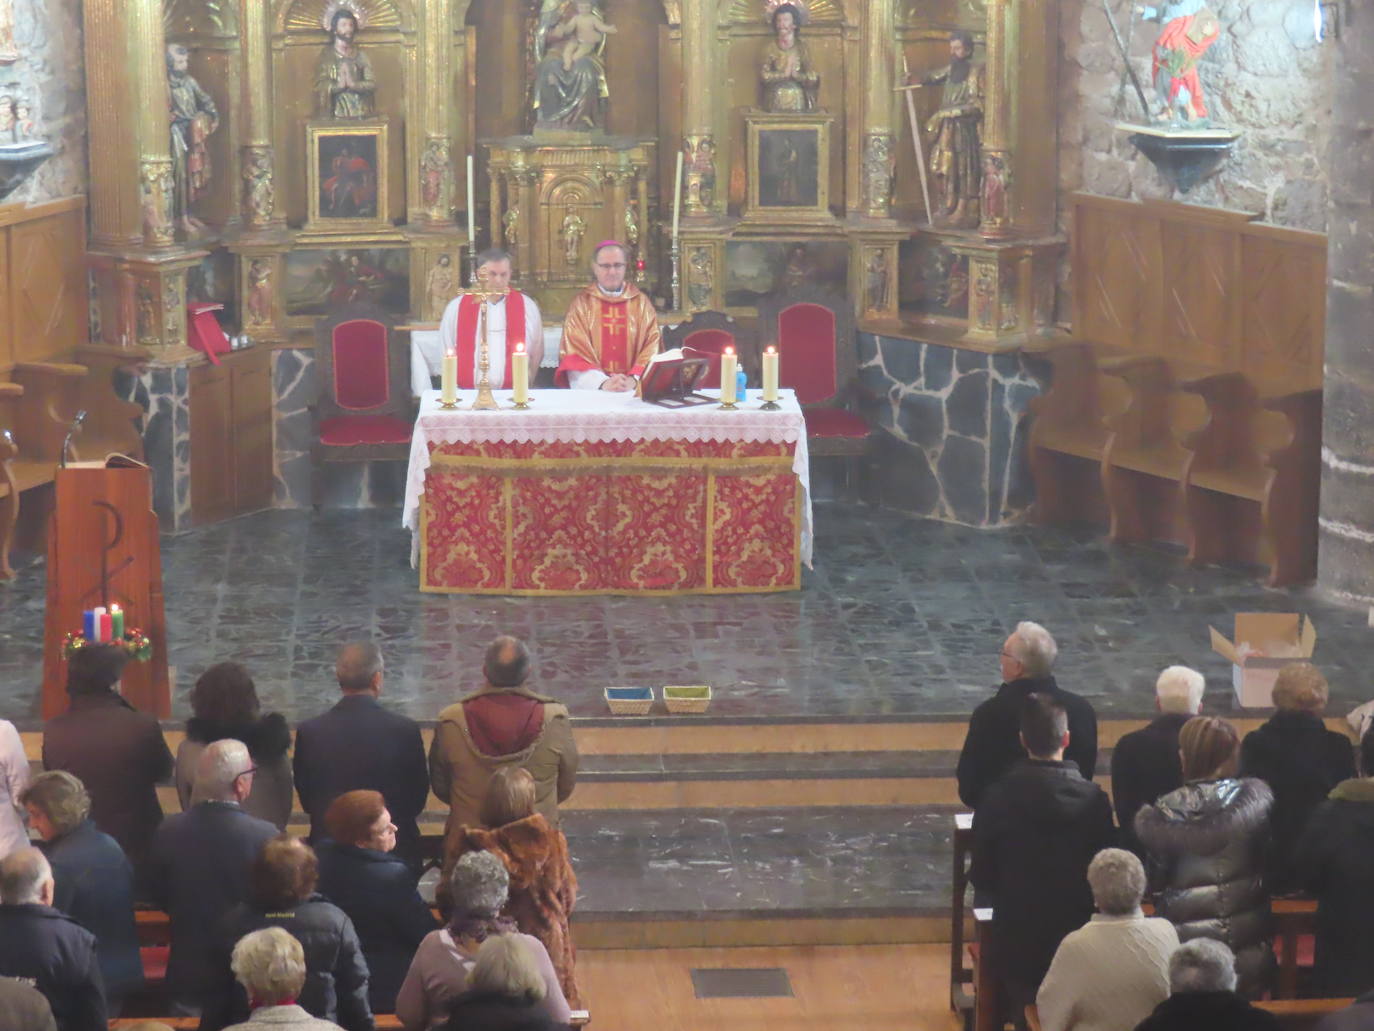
(522, 405)
(485, 401)
(770, 406)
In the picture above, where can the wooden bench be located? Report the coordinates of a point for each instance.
(1220, 461)
(382, 1021)
(960, 976)
(1251, 486)
(1301, 1014)
(1069, 431)
(37, 409)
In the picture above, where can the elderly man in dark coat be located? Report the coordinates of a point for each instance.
(359, 745)
(1203, 997)
(991, 746)
(198, 869)
(1034, 835)
(46, 948)
(1300, 760)
(1145, 762)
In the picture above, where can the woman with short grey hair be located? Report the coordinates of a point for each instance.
(270, 964)
(93, 878)
(1113, 971)
(479, 886)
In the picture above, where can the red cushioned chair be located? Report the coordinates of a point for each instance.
(813, 331)
(711, 332)
(364, 412)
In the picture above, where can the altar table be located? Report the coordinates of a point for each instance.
(590, 492)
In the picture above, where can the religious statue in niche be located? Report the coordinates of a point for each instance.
(259, 193)
(147, 315)
(1190, 29)
(434, 169)
(875, 276)
(510, 227)
(701, 171)
(193, 119)
(955, 150)
(571, 232)
(790, 80)
(700, 285)
(441, 286)
(344, 85)
(9, 53)
(260, 291)
(570, 88)
(994, 190)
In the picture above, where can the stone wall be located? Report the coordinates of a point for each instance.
(50, 76)
(951, 438)
(342, 484)
(1266, 77)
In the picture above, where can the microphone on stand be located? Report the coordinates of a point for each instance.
(71, 432)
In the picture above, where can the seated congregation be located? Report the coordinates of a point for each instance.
(1209, 827)
(1150, 907)
(265, 929)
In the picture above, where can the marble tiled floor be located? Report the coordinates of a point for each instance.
(900, 617)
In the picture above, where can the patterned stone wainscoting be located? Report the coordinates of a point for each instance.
(164, 394)
(952, 443)
(343, 484)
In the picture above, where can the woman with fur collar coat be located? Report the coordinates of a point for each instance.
(1207, 843)
(543, 888)
(224, 704)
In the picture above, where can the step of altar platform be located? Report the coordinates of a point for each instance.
(761, 876)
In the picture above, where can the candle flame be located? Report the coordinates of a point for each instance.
(450, 353)
(114, 607)
(770, 349)
(519, 348)
(729, 350)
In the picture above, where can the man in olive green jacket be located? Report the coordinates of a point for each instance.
(503, 724)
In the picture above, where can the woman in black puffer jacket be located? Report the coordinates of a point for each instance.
(1207, 843)
(282, 894)
(225, 704)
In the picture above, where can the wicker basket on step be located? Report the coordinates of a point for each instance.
(687, 697)
(629, 701)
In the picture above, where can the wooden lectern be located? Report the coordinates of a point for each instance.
(102, 549)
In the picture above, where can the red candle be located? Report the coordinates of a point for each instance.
(105, 626)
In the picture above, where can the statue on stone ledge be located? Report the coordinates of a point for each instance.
(955, 153)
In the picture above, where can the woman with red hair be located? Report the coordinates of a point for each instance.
(360, 874)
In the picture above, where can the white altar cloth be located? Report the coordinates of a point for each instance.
(598, 415)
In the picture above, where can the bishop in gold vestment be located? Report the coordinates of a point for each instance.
(611, 329)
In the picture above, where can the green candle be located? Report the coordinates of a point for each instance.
(116, 623)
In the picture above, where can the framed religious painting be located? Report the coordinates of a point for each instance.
(346, 173)
(789, 168)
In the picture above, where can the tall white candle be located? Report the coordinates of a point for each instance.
(99, 628)
(448, 392)
(520, 375)
(677, 195)
(729, 367)
(472, 206)
(770, 374)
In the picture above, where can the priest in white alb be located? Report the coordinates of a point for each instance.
(511, 320)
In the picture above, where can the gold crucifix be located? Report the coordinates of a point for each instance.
(485, 296)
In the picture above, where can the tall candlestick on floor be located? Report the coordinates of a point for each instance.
(677, 196)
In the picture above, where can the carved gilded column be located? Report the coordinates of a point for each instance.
(436, 161)
(115, 202)
(995, 210)
(258, 198)
(144, 50)
(620, 179)
(879, 146)
(524, 178)
(698, 132)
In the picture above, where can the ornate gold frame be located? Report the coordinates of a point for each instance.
(759, 123)
(374, 129)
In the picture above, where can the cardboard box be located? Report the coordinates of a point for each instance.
(1265, 642)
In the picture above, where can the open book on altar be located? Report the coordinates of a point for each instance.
(671, 377)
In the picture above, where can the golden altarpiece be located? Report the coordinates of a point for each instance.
(250, 137)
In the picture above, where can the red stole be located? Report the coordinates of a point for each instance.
(614, 324)
(465, 346)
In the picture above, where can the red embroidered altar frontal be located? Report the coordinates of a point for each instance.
(611, 517)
